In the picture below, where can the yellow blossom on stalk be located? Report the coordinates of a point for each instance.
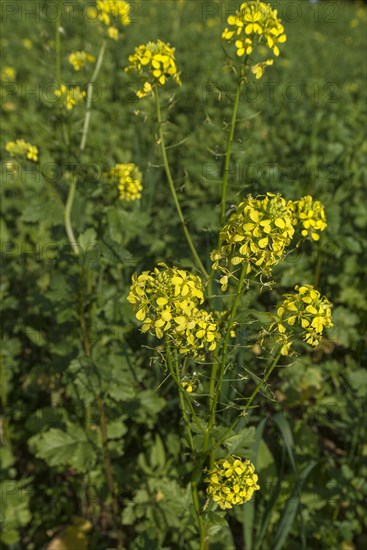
(8, 74)
(311, 215)
(110, 10)
(256, 235)
(80, 59)
(155, 63)
(166, 300)
(21, 148)
(128, 177)
(307, 310)
(255, 24)
(28, 44)
(70, 96)
(231, 481)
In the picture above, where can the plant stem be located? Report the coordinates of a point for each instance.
(172, 187)
(215, 388)
(262, 382)
(71, 194)
(194, 489)
(90, 95)
(214, 397)
(4, 432)
(317, 273)
(229, 143)
(195, 499)
(108, 468)
(57, 43)
(67, 218)
(103, 425)
(181, 392)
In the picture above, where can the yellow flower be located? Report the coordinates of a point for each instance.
(110, 10)
(28, 44)
(155, 63)
(254, 24)
(80, 59)
(128, 178)
(70, 96)
(311, 215)
(166, 300)
(259, 68)
(8, 74)
(21, 148)
(232, 481)
(256, 235)
(305, 309)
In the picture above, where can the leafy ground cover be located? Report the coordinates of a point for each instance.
(67, 397)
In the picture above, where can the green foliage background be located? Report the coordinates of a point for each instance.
(300, 131)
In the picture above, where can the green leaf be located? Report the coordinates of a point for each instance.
(157, 453)
(241, 441)
(60, 448)
(216, 521)
(290, 510)
(14, 511)
(249, 507)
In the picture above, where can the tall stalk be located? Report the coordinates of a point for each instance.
(71, 194)
(172, 187)
(229, 143)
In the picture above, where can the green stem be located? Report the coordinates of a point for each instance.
(67, 218)
(194, 489)
(317, 273)
(199, 517)
(181, 390)
(90, 95)
(103, 425)
(172, 187)
(5, 435)
(262, 382)
(229, 144)
(71, 195)
(214, 398)
(181, 396)
(57, 43)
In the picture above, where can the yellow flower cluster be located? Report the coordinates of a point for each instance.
(166, 300)
(8, 74)
(128, 178)
(311, 214)
(109, 9)
(256, 234)
(155, 62)
(70, 96)
(80, 59)
(21, 148)
(307, 309)
(231, 481)
(255, 22)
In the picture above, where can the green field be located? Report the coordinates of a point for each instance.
(102, 444)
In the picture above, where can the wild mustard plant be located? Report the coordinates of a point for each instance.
(21, 149)
(70, 95)
(79, 60)
(231, 481)
(305, 310)
(113, 13)
(129, 181)
(169, 301)
(310, 215)
(253, 240)
(256, 236)
(155, 63)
